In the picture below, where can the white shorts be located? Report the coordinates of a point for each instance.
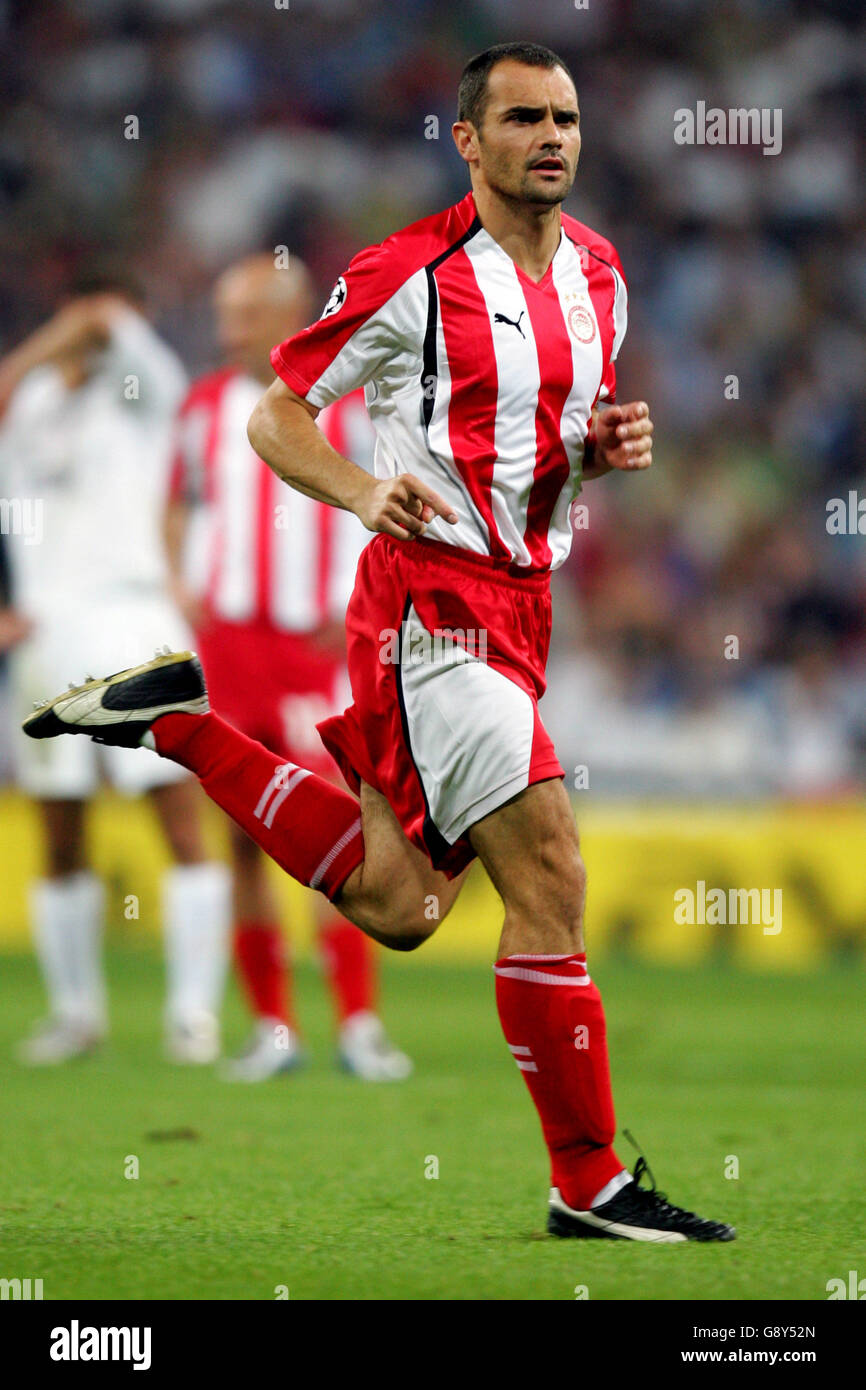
(96, 641)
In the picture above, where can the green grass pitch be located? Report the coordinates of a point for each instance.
(317, 1182)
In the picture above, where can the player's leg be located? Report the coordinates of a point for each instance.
(394, 894)
(63, 828)
(531, 849)
(263, 965)
(312, 829)
(67, 909)
(310, 685)
(550, 1010)
(357, 855)
(66, 901)
(177, 807)
(259, 946)
(553, 1021)
(349, 959)
(196, 921)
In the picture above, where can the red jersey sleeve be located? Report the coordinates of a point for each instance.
(355, 335)
(607, 287)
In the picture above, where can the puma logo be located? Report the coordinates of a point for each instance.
(515, 323)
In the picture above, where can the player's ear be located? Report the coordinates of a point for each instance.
(465, 139)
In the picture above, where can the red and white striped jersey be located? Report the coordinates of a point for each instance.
(258, 550)
(478, 381)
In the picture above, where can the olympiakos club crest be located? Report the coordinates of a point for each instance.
(581, 323)
(337, 299)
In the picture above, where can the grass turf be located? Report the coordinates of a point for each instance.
(317, 1182)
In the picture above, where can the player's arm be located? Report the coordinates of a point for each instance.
(183, 496)
(14, 627)
(621, 438)
(176, 518)
(133, 349)
(283, 432)
(77, 325)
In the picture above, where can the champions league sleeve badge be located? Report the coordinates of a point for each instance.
(337, 299)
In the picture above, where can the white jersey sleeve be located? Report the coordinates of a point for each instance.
(145, 370)
(369, 322)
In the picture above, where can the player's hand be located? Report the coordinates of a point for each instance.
(623, 437)
(401, 507)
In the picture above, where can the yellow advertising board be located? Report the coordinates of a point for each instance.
(770, 887)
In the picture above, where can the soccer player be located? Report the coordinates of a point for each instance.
(88, 402)
(485, 337)
(268, 603)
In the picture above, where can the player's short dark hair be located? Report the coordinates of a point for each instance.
(472, 92)
(106, 277)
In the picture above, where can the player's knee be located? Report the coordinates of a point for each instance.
(403, 931)
(396, 936)
(392, 920)
(404, 942)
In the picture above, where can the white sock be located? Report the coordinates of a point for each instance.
(68, 920)
(197, 925)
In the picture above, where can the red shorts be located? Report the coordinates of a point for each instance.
(274, 686)
(447, 652)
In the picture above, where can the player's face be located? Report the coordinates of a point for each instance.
(528, 145)
(250, 319)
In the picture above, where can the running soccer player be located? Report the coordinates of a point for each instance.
(264, 575)
(485, 337)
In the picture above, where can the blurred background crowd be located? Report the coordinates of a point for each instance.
(311, 126)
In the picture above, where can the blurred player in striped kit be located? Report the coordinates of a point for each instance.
(86, 410)
(264, 575)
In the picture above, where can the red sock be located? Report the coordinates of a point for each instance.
(309, 827)
(553, 1022)
(351, 967)
(264, 968)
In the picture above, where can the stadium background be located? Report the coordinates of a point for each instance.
(309, 127)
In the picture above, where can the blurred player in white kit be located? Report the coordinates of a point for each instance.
(86, 410)
(264, 575)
